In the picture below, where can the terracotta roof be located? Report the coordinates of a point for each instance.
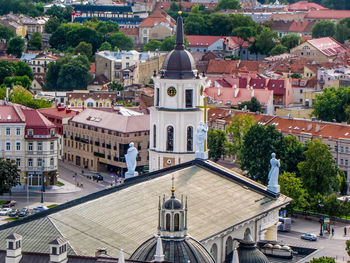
(293, 26)
(288, 17)
(227, 115)
(34, 119)
(328, 14)
(130, 31)
(60, 112)
(94, 95)
(221, 66)
(158, 16)
(113, 121)
(328, 46)
(248, 65)
(201, 41)
(10, 114)
(92, 69)
(235, 96)
(277, 85)
(305, 6)
(304, 83)
(257, 83)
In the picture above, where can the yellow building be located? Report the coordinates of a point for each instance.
(309, 98)
(90, 99)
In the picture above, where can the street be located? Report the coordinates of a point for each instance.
(327, 245)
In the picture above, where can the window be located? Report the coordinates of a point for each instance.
(10, 245)
(301, 91)
(40, 162)
(8, 146)
(52, 132)
(52, 161)
(18, 131)
(342, 149)
(154, 136)
(54, 250)
(189, 98)
(30, 132)
(8, 131)
(18, 161)
(190, 139)
(342, 161)
(90, 104)
(30, 146)
(176, 222)
(157, 97)
(170, 139)
(51, 146)
(18, 146)
(40, 146)
(346, 162)
(30, 162)
(167, 222)
(346, 149)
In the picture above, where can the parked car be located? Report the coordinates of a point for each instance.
(5, 211)
(40, 208)
(24, 212)
(97, 177)
(310, 237)
(9, 203)
(13, 213)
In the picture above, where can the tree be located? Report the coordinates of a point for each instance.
(253, 105)
(216, 144)
(236, 131)
(332, 103)
(296, 76)
(35, 41)
(259, 143)
(6, 69)
(84, 34)
(122, 41)
(107, 27)
(290, 41)
(22, 81)
(318, 171)
(322, 260)
(292, 187)
(195, 23)
(6, 33)
(168, 44)
(9, 175)
(63, 14)
(23, 69)
(332, 206)
(278, 49)
(323, 28)
(293, 154)
(105, 46)
(15, 46)
(244, 32)
(264, 42)
(152, 45)
(52, 24)
(84, 49)
(228, 4)
(115, 86)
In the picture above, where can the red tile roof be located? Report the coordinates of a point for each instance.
(328, 14)
(10, 114)
(305, 6)
(327, 46)
(201, 41)
(221, 66)
(158, 16)
(130, 31)
(59, 112)
(277, 85)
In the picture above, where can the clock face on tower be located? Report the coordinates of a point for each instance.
(171, 91)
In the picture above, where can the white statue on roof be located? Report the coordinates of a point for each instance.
(201, 137)
(273, 185)
(130, 158)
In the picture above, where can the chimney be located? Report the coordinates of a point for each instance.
(317, 129)
(58, 251)
(14, 248)
(159, 256)
(7, 94)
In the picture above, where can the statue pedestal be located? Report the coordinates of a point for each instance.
(201, 155)
(273, 188)
(128, 175)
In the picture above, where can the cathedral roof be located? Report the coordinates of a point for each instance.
(179, 63)
(123, 217)
(180, 251)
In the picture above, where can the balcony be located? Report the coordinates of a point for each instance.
(102, 155)
(97, 143)
(108, 146)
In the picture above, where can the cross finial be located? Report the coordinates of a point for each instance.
(172, 186)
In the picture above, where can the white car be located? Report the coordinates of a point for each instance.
(5, 211)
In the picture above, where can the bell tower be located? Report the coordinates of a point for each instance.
(178, 91)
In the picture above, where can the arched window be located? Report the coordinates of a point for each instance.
(229, 245)
(176, 222)
(214, 251)
(170, 138)
(190, 139)
(90, 104)
(154, 136)
(167, 222)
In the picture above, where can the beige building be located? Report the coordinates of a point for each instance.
(98, 140)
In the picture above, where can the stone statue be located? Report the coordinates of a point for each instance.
(273, 185)
(201, 136)
(130, 158)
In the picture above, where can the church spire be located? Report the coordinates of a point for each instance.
(180, 41)
(159, 256)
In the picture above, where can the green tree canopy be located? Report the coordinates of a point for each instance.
(195, 24)
(322, 260)
(84, 48)
(318, 171)
(278, 49)
(264, 42)
(332, 206)
(216, 144)
(6, 69)
(122, 41)
(9, 175)
(105, 46)
(253, 105)
(323, 28)
(290, 41)
(152, 45)
(259, 143)
(23, 69)
(15, 46)
(22, 81)
(35, 41)
(52, 25)
(63, 14)
(6, 33)
(107, 27)
(244, 32)
(293, 154)
(228, 4)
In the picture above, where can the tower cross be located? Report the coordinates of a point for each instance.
(205, 107)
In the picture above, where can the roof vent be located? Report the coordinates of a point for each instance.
(9, 117)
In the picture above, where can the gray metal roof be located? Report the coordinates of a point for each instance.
(126, 216)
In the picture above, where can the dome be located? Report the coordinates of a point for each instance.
(172, 203)
(179, 63)
(249, 253)
(175, 250)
